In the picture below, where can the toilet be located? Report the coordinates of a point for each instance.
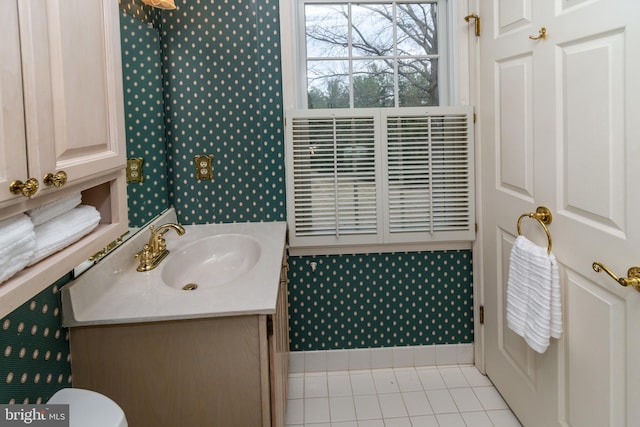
(88, 408)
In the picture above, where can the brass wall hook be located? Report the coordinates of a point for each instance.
(476, 18)
(542, 34)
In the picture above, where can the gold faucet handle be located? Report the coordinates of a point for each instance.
(145, 254)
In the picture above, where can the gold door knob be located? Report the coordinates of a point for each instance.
(27, 189)
(57, 179)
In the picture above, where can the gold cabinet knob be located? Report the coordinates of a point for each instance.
(27, 189)
(57, 179)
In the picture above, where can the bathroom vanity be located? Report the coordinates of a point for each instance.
(216, 355)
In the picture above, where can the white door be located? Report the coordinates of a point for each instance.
(559, 123)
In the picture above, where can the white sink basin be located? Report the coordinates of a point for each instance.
(210, 262)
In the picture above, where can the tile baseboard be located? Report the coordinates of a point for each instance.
(380, 358)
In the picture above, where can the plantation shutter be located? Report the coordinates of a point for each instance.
(429, 180)
(333, 178)
(378, 176)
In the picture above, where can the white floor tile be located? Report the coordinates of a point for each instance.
(416, 403)
(451, 420)
(339, 385)
(296, 386)
(385, 381)
(441, 401)
(442, 396)
(367, 407)
(431, 379)
(315, 385)
(362, 382)
(295, 412)
(465, 399)
(371, 423)
(408, 379)
(453, 377)
(477, 419)
(342, 408)
(424, 421)
(490, 398)
(397, 422)
(392, 405)
(316, 410)
(345, 424)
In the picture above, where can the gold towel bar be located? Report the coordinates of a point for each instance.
(544, 217)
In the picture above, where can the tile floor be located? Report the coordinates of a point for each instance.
(434, 396)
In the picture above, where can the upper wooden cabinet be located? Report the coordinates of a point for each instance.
(60, 92)
(61, 109)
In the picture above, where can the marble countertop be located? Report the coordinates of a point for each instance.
(113, 292)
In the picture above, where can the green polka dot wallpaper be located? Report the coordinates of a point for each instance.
(36, 358)
(380, 300)
(223, 98)
(144, 115)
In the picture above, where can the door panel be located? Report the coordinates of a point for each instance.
(13, 159)
(73, 101)
(593, 315)
(559, 127)
(515, 136)
(593, 69)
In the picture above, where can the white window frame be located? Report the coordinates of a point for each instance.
(294, 98)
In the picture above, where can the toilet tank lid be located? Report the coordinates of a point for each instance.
(89, 408)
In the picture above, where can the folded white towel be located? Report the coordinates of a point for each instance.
(50, 210)
(17, 243)
(534, 310)
(64, 230)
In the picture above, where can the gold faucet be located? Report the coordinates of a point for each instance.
(155, 251)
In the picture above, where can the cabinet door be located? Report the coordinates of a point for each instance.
(13, 160)
(73, 86)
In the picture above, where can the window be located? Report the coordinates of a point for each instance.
(376, 159)
(374, 54)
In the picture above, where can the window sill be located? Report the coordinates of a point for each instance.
(380, 248)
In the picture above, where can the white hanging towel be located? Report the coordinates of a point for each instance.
(534, 310)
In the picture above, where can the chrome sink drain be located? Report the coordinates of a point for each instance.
(190, 287)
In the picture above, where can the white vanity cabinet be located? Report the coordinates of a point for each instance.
(61, 111)
(60, 94)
